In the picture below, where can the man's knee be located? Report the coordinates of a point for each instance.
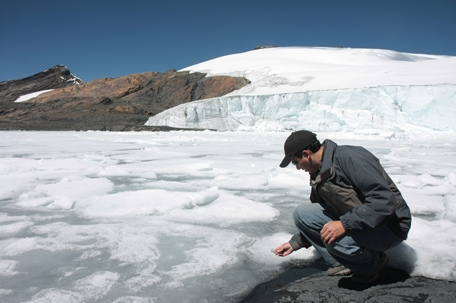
(307, 215)
(299, 214)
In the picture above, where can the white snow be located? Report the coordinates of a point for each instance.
(326, 89)
(193, 216)
(31, 95)
(299, 69)
(186, 216)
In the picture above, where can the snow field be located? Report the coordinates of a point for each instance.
(193, 216)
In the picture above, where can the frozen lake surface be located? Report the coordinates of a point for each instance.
(185, 216)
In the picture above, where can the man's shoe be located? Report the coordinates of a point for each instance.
(366, 279)
(338, 271)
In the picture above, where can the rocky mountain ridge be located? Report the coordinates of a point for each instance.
(115, 104)
(55, 77)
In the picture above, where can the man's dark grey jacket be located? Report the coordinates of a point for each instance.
(354, 184)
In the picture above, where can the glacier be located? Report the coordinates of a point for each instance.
(395, 110)
(358, 91)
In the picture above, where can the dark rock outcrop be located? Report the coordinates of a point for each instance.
(310, 284)
(55, 77)
(115, 104)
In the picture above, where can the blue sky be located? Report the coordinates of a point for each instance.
(114, 38)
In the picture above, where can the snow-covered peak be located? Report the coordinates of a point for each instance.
(350, 91)
(299, 69)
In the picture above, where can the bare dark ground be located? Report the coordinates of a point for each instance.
(311, 284)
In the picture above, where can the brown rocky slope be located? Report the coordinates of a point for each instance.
(116, 104)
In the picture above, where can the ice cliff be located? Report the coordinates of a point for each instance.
(326, 90)
(385, 109)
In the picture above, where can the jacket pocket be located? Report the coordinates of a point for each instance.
(341, 199)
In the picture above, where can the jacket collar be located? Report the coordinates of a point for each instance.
(326, 167)
(328, 155)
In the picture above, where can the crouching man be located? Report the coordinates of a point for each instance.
(357, 212)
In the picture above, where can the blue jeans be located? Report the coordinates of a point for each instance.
(358, 250)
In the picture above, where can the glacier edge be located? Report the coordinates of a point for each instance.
(391, 109)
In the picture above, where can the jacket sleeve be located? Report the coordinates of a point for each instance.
(298, 242)
(362, 169)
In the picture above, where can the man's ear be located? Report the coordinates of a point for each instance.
(305, 153)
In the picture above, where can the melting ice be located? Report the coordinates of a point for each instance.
(185, 216)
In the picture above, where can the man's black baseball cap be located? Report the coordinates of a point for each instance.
(295, 143)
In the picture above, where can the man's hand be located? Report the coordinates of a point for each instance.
(331, 231)
(284, 250)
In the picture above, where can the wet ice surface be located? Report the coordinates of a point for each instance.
(184, 216)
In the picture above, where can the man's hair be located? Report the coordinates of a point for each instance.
(314, 147)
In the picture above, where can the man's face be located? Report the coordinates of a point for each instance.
(305, 162)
